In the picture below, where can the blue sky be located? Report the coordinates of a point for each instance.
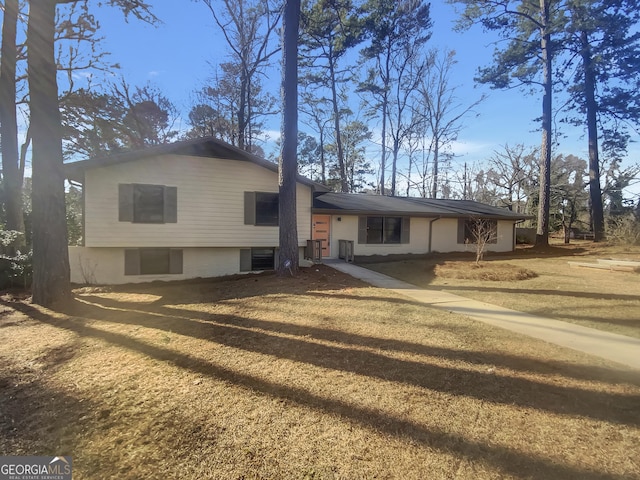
(178, 55)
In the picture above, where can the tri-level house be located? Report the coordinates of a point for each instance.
(203, 208)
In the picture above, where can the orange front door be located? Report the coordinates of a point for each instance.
(321, 231)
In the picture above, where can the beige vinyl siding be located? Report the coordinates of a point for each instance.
(347, 229)
(210, 204)
(445, 237)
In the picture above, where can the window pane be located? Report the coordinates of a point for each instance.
(487, 230)
(262, 259)
(148, 203)
(154, 261)
(267, 209)
(374, 229)
(392, 229)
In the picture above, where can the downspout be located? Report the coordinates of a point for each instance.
(431, 222)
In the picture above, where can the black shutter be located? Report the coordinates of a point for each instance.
(249, 208)
(404, 235)
(132, 261)
(461, 222)
(125, 202)
(362, 229)
(170, 204)
(245, 259)
(175, 261)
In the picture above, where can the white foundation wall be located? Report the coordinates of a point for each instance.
(105, 266)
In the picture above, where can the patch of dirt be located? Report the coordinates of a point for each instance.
(495, 272)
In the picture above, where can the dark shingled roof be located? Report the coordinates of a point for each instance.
(209, 147)
(364, 204)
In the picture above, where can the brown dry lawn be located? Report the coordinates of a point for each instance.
(538, 282)
(317, 377)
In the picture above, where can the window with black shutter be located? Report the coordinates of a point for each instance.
(383, 230)
(152, 261)
(470, 228)
(267, 209)
(261, 209)
(257, 259)
(141, 203)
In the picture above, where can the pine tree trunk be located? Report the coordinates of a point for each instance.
(595, 193)
(436, 152)
(9, 125)
(288, 168)
(344, 185)
(542, 234)
(50, 253)
(394, 166)
(383, 154)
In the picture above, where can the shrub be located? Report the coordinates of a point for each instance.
(624, 230)
(16, 268)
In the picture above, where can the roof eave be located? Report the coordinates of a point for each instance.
(338, 211)
(75, 170)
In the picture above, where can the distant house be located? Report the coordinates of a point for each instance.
(203, 208)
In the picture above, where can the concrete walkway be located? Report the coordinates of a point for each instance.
(619, 348)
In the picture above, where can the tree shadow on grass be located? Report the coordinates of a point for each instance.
(489, 359)
(37, 419)
(239, 332)
(509, 461)
(208, 290)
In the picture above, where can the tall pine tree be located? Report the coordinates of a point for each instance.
(603, 66)
(532, 28)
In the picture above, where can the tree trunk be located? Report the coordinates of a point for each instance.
(385, 117)
(383, 154)
(344, 185)
(394, 166)
(50, 253)
(242, 126)
(288, 258)
(436, 152)
(9, 125)
(323, 163)
(595, 193)
(542, 234)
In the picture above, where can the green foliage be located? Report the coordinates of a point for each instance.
(602, 39)
(616, 180)
(521, 23)
(217, 111)
(354, 133)
(73, 200)
(15, 267)
(124, 118)
(624, 229)
(569, 197)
